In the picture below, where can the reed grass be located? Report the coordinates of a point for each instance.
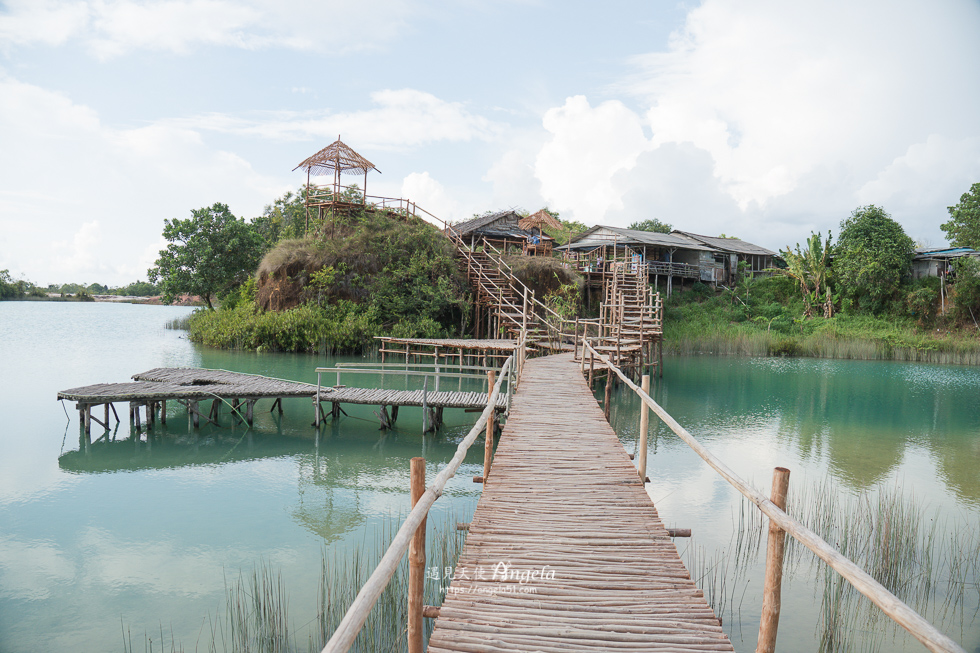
(930, 562)
(255, 618)
(179, 323)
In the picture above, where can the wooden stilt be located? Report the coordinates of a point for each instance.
(249, 410)
(605, 405)
(769, 623)
(644, 427)
(163, 411)
(488, 448)
(416, 563)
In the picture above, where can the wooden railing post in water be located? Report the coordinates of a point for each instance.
(609, 379)
(416, 563)
(488, 450)
(769, 623)
(644, 427)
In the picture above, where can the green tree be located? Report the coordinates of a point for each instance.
(652, 225)
(283, 219)
(208, 253)
(810, 267)
(963, 228)
(872, 257)
(569, 228)
(8, 287)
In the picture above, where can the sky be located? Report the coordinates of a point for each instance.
(761, 119)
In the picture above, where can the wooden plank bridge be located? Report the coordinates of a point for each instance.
(566, 550)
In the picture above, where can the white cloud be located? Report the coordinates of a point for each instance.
(514, 181)
(588, 147)
(402, 118)
(769, 120)
(102, 193)
(32, 570)
(111, 28)
(430, 195)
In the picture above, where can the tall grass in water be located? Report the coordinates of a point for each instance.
(929, 562)
(255, 616)
(179, 323)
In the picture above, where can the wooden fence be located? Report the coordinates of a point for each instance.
(891, 605)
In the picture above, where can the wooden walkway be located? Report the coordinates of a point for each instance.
(564, 510)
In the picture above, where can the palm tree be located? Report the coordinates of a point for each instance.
(810, 268)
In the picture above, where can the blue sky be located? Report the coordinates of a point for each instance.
(760, 119)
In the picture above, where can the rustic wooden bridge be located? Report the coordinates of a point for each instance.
(566, 551)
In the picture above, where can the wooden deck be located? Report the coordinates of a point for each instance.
(195, 383)
(564, 509)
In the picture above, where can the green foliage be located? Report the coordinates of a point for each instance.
(137, 289)
(208, 254)
(922, 301)
(284, 218)
(872, 257)
(376, 275)
(810, 268)
(966, 291)
(652, 225)
(8, 287)
(569, 229)
(963, 228)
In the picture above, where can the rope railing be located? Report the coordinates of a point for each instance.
(927, 634)
(353, 620)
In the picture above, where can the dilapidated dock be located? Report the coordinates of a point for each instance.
(189, 386)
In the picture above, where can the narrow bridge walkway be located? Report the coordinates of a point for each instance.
(566, 551)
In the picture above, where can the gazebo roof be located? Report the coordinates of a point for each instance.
(540, 219)
(336, 157)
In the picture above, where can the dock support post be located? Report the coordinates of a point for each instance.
(488, 449)
(163, 411)
(609, 381)
(416, 563)
(193, 411)
(249, 410)
(769, 623)
(644, 427)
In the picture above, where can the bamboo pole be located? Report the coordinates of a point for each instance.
(416, 562)
(644, 427)
(352, 622)
(605, 403)
(488, 449)
(769, 622)
(891, 605)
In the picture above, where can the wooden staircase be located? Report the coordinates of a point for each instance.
(630, 329)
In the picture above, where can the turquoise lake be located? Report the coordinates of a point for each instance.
(142, 536)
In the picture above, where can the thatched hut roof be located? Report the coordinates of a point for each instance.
(334, 158)
(538, 220)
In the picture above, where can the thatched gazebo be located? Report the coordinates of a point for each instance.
(539, 220)
(335, 159)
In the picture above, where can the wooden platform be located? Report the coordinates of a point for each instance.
(564, 509)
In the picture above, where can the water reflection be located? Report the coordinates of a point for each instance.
(860, 417)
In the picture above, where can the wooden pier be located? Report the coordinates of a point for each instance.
(566, 550)
(190, 386)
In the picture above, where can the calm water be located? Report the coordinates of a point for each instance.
(143, 534)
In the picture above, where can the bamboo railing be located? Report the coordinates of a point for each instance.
(349, 627)
(891, 605)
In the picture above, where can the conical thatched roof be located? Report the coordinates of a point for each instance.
(538, 220)
(336, 156)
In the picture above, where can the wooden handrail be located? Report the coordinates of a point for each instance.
(357, 613)
(891, 605)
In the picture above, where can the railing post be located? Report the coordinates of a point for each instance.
(488, 450)
(769, 623)
(416, 563)
(609, 378)
(644, 427)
